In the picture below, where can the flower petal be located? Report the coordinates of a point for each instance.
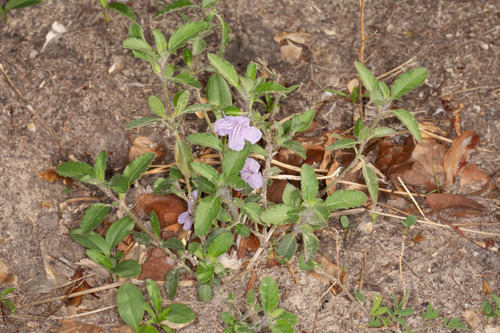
(251, 165)
(256, 181)
(183, 218)
(236, 140)
(188, 225)
(252, 134)
(224, 126)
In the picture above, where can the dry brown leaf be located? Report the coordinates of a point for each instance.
(430, 127)
(142, 145)
(251, 243)
(250, 284)
(73, 326)
(331, 269)
(122, 329)
(418, 239)
(6, 276)
(78, 286)
(156, 268)
(423, 167)
(472, 319)
(297, 37)
(455, 159)
(168, 207)
(447, 200)
(486, 288)
(275, 190)
(290, 52)
(353, 83)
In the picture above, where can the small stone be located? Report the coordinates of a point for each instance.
(33, 54)
(420, 95)
(485, 46)
(390, 28)
(449, 35)
(365, 227)
(476, 108)
(31, 127)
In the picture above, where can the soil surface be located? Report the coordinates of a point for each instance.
(86, 88)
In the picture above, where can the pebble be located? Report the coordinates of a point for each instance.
(476, 108)
(31, 127)
(365, 227)
(485, 46)
(33, 54)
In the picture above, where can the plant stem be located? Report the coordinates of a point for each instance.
(265, 173)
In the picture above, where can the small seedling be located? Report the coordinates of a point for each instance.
(344, 221)
(4, 301)
(492, 310)
(131, 307)
(278, 320)
(120, 8)
(16, 4)
(408, 222)
(353, 96)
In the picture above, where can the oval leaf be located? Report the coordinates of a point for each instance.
(93, 217)
(171, 283)
(342, 144)
(408, 81)
(206, 140)
(218, 92)
(220, 244)
(156, 105)
(137, 167)
(310, 246)
(127, 269)
(371, 182)
(369, 81)
(75, 169)
(119, 230)
(410, 122)
(279, 214)
(270, 294)
(123, 10)
(183, 157)
(141, 122)
(308, 183)
(345, 199)
(224, 68)
(205, 214)
(180, 314)
(130, 305)
(184, 33)
(286, 249)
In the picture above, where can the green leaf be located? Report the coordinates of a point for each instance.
(381, 132)
(408, 81)
(99, 258)
(218, 92)
(251, 70)
(279, 214)
(127, 269)
(10, 305)
(235, 182)
(310, 246)
(91, 240)
(371, 182)
(137, 167)
(295, 146)
(93, 217)
(199, 45)
(154, 295)
(119, 184)
(384, 90)
(180, 314)
(160, 41)
(234, 161)
(369, 81)
(206, 140)
(224, 68)
(358, 126)
(302, 121)
(281, 326)
(176, 5)
(141, 122)
(409, 221)
(342, 144)
(171, 283)
(291, 196)
(228, 318)
(174, 244)
(123, 10)
(205, 271)
(186, 79)
(409, 121)
(75, 169)
(155, 223)
(337, 92)
(205, 292)
(345, 199)
(17, 4)
(377, 98)
(130, 305)
(184, 33)
(148, 329)
(270, 87)
(197, 107)
(363, 133)
(204, 185)
(308, 183)
(7, 291)
(180, 101)
(100, 165)
(206, 171)
(136, 31)
(242, 230)
(139, 44)
(253, 211)
(183, 157)
(156, 105)
(205, 214)
(220, 244)
(270, 294)
(405, 312)
(119, 230)
(286, 249)
(226, 36)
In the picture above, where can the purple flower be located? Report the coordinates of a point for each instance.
(238, 128)
(186, 218)
(251, 175)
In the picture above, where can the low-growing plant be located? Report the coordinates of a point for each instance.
(240, 133)
(131, 307)
(16, 4)
(120, 8)
(4, 301)
(262, 314)
(492, 310)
